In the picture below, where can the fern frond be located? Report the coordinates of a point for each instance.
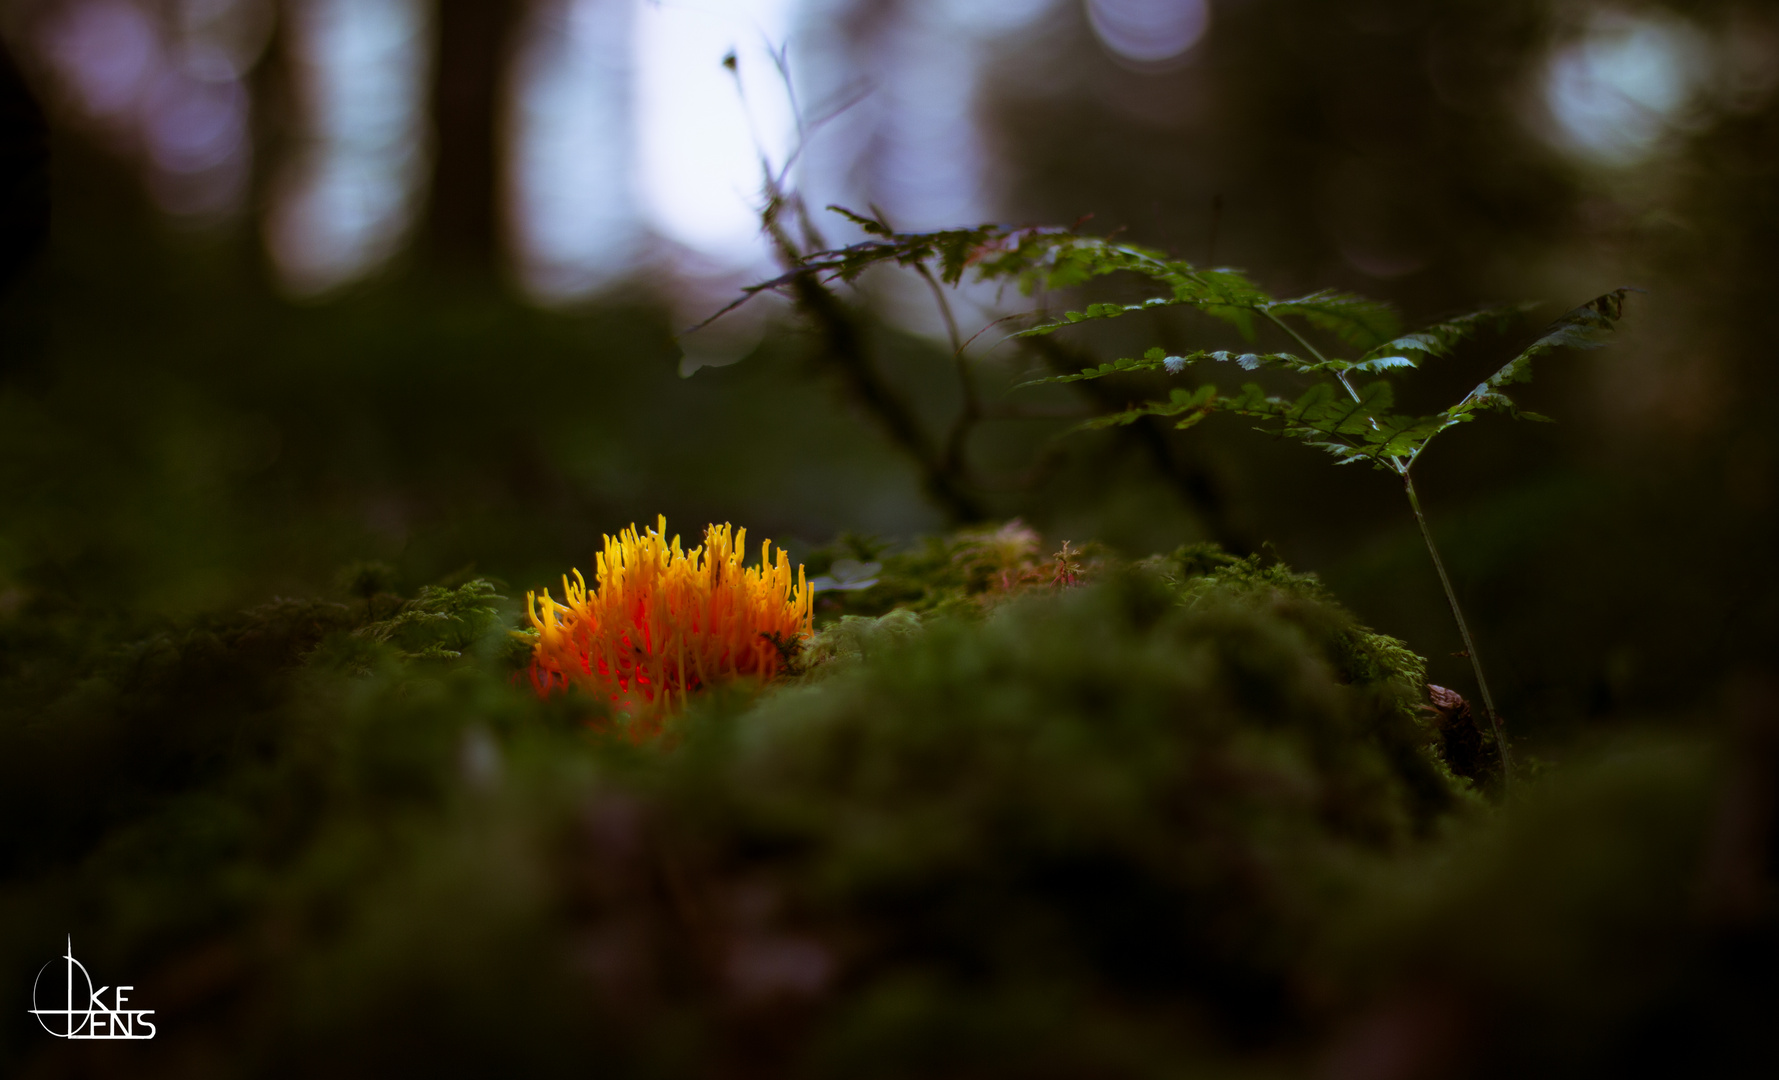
(1333, 416)
(1222, 294)
(1097, 311)
(1439, 339)
(1158, 359)
(1586, 327)
(1186, 407)
(1355, 320)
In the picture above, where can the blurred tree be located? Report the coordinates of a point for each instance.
(463, 222)
(274, 113)
(24, 173)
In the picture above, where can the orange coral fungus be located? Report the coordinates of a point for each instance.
(660, 622)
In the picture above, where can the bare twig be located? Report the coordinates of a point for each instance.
(845, 350)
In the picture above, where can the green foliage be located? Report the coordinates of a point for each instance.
(1141, 790)
(1356, 423)
(84, 747)
(975, 571)
(340, 807)
(1359, 656)
(853, 638)
(1352, 423)
(959, 573)
(440, 623)
(952, 250)
(1607, 924)
(1183, 820)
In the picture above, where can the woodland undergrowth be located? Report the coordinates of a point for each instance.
(1345, 406)
(1015, 811)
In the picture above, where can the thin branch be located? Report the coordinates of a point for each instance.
(926, 275)
(1451, 597)
(845, 349)
(957, 441)
(995, 323)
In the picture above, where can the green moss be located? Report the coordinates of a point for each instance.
(960, 573)
(1185, 819)
(1095, 796)
(1616, 919)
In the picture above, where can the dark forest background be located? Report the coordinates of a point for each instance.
(194, 443)
(179, 436)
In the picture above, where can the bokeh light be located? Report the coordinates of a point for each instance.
(105, 52)
(349, 196)
(910, 140)
(171, 89)
(1628, 81)
(573, 145)
(1149, 32)
(700, 142)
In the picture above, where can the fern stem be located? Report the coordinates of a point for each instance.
(1396, 464)
(1451, 596)
(971, 411)
(1311, 349)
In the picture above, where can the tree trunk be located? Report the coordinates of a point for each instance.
(463, 228)
(24, 173)
(275, 124)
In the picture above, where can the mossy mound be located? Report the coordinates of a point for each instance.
(1184, 820)
(1095, 831)
(1620, 918)
(1097, 825)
